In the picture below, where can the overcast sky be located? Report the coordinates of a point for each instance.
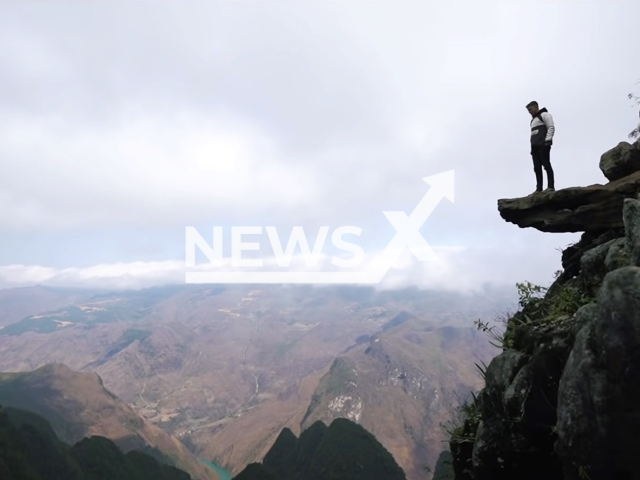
(123, 123)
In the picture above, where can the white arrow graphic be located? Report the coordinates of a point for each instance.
(407, 235)
(407, 227)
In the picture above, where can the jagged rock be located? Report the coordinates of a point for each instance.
(595, 208)
(514, 438)
(610, 255)
(594, 265)
(599, 393)
(618, 255)
(631, 217)
(572, 255)
(621, 160)
(494, 432)
(502, 370)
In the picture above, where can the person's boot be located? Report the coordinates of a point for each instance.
(550, 182)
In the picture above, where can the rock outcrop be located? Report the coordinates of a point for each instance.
(595, 208)
(562, 401)
(620, 161)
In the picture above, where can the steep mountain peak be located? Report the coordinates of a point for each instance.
(280, 457)
(344, 449)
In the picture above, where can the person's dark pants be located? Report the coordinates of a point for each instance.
(541, 154)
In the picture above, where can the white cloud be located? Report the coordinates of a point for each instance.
(152, 169)
(460, 268)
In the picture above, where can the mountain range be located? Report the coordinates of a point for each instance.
(225, 369)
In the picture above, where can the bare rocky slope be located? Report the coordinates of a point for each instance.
(562, 401)
(400, 385)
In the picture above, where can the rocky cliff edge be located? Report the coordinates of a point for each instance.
(562, 400)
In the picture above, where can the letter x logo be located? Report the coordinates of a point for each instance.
(408, 227)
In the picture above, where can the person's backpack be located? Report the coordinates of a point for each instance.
(539, 116)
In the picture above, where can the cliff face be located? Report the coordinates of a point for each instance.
(562, 401)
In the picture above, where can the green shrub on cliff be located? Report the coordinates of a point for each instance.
(536, 303)
(530, 296)
(568, 300)
(464, 420)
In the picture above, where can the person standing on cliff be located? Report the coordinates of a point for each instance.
(542, 130)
